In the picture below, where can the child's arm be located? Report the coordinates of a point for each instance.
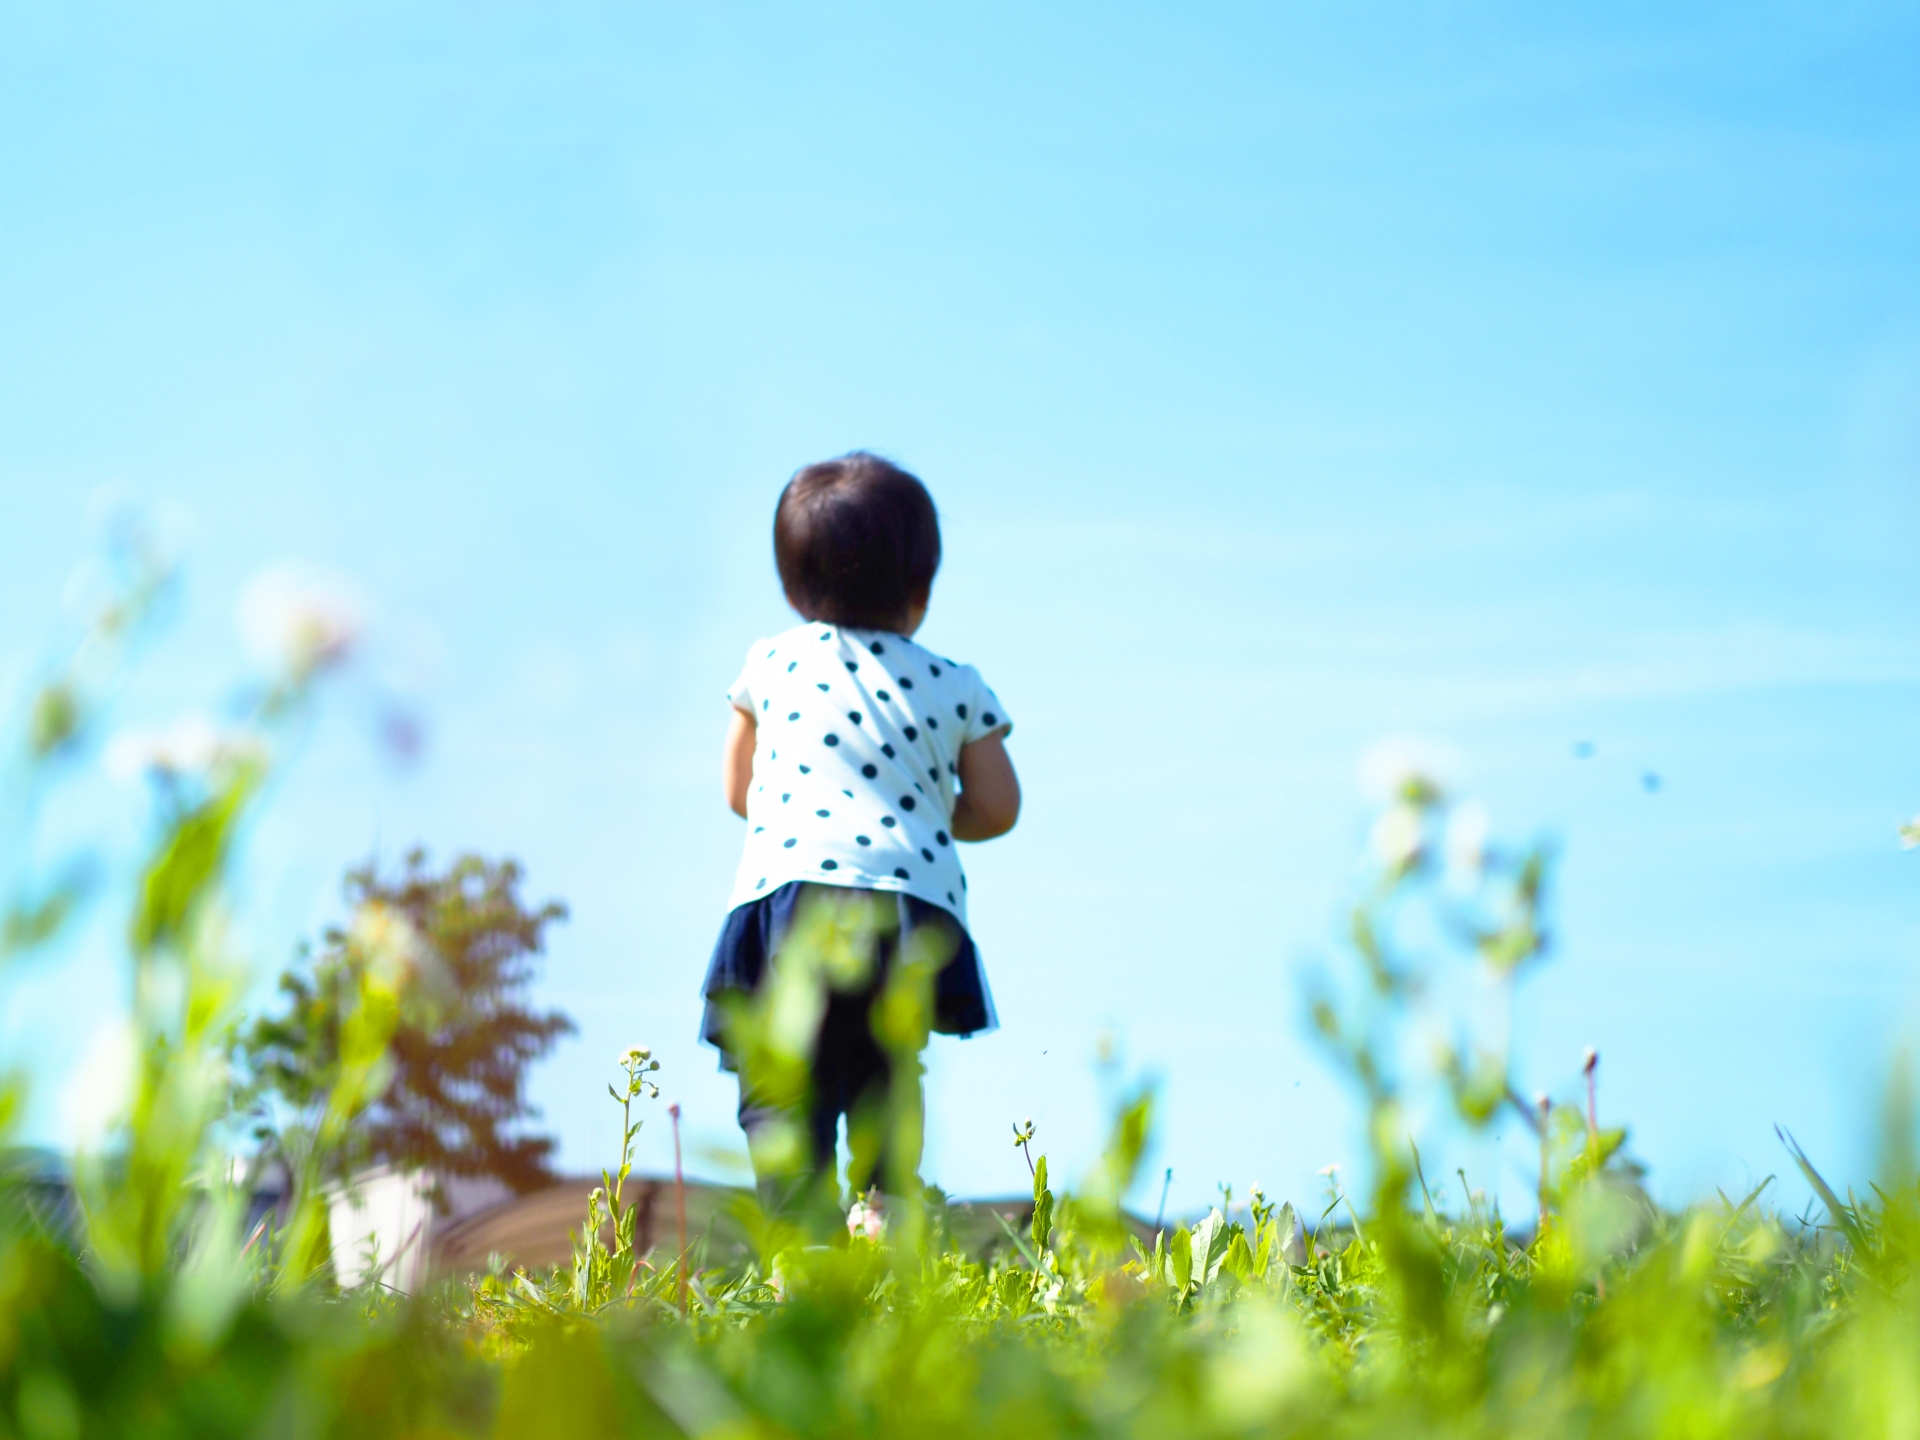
(989, 802)
(736, 765)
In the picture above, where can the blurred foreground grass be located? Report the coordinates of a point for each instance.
(160, 1311)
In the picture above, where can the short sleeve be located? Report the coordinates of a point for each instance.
(741, 693)
(981, 712)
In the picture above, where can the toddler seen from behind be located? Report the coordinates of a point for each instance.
(858, 760)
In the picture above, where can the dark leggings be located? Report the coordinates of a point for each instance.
(850, 1075)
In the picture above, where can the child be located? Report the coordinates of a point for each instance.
(857, 759)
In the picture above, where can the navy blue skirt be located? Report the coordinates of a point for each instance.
(754, 932)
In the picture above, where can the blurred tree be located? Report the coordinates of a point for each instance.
(458, 949)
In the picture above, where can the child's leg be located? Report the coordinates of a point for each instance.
(771, 1135)
(885, 1124)
(783, 1145)
(794, 1149)
(850, 1077)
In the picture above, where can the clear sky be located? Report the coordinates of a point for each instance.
(1288, 377)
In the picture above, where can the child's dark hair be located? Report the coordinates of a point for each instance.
(857, 542)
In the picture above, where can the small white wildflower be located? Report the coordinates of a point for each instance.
(1401, 768)
(297, 621)
(1329, 1171)
(1910, 834)
(192, 745)
(1396, 836)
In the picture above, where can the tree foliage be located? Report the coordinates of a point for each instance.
(464, 946)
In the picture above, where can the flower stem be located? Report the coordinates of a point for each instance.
(680, 1203)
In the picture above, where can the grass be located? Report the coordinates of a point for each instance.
(157, 1311)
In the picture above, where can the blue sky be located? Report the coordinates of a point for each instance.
(1288, 377)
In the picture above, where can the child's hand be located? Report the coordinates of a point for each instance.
(989, 802)
(736, 764)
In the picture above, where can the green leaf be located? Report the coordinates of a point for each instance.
(187, 864)
(1180, 1255)
(1209, 1245)
(1042, 1205)
(31, 923)
(55, 719)
(1238, 1261)
(1019, 1241)
(1129, 1142)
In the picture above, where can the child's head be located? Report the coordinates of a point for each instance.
(857, 542)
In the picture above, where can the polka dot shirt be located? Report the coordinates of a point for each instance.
(856, 763)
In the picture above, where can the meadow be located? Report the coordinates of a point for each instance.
(160, 1306)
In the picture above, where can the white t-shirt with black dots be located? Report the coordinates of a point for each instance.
(855, 763)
